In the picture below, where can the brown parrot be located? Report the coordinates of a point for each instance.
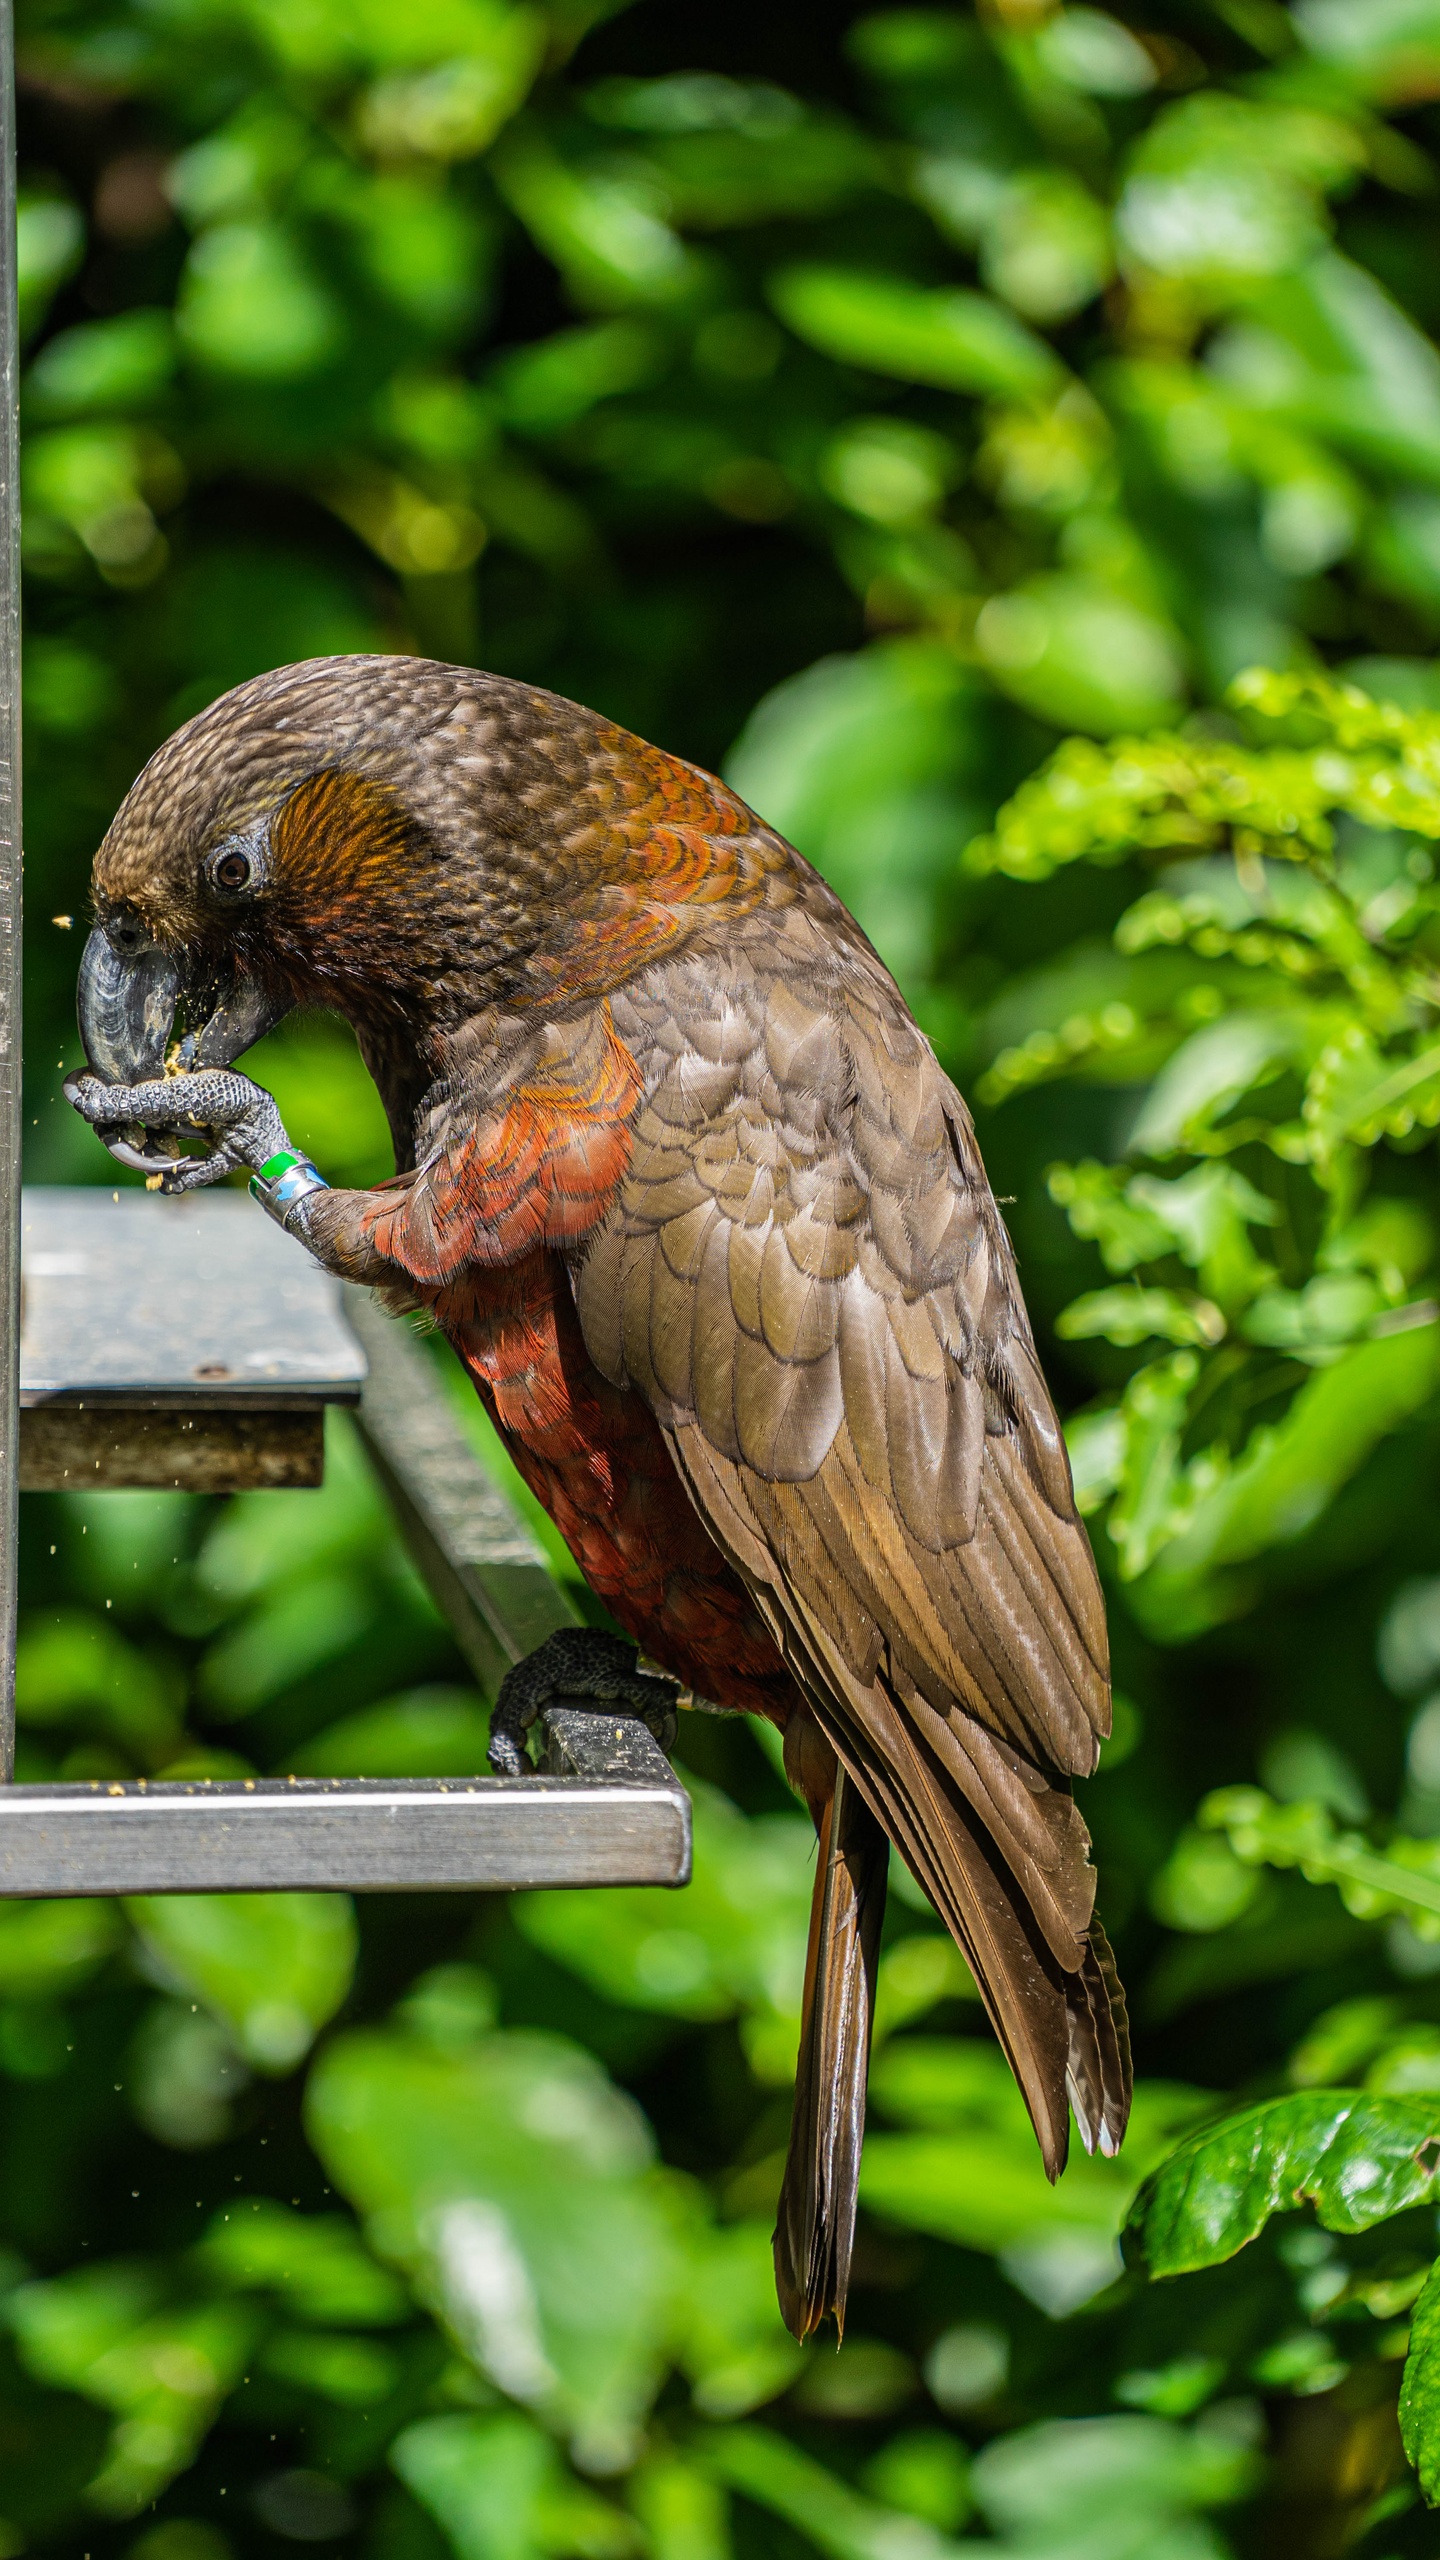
(687, 1191)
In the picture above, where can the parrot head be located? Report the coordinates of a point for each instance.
(399, 841)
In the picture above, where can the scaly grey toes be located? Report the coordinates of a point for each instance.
(234, 1117)
(577, 1667)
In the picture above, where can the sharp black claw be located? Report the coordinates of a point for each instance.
(577, 1667)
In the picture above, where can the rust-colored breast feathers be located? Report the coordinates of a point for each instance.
(537, 1164)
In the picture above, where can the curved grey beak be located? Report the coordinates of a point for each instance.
(126, 1001)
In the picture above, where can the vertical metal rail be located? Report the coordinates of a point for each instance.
(10, 1050)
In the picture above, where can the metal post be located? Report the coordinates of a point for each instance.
(10, 1049)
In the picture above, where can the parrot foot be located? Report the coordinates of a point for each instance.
(577, 1667)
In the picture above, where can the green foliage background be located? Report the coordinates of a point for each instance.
(861, 401)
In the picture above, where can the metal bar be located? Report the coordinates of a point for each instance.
(480, 1563)
(105, 1448)
(10, 1052)
(623, 1818)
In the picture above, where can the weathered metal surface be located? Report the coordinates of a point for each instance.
(66, 1448)
(621, 1818)
(198, 1301)
(483, 1568)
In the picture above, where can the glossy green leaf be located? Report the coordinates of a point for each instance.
(1355, 2159)
(1420, 2389)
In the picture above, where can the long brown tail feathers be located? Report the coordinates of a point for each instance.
(815, 2231)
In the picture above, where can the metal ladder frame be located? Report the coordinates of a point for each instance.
(604, 1807)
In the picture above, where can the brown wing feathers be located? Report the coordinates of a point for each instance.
(808, 1281)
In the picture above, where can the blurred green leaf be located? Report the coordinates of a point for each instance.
(601, 230)
(824, 2510)
(731, 2341)
(49, 242)
(562, 377)
(1080, 656)
(680, 2507)
(1047, 244)
(273, 1968)
(122, 363)
(452, 109)
(163, 2372)
(736, 1940)
(868, 764)
(1392, 47)
(971, 2171)
(1289, 1473)
(497, 2489)
(1110, 2486)
(49, 1948)
(316, 2265)
(72, 1668)
(960, 341)
(431, 1733)
(515, 2183)
(251, 306)
(1140, 1315)
(1374, 1885)
(184, 2076)
(924, 2474)
(1206, 199)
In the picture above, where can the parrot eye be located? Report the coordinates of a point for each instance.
(233, 870)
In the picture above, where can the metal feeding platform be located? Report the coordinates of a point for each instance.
(173, 1342)
(188, 1343)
